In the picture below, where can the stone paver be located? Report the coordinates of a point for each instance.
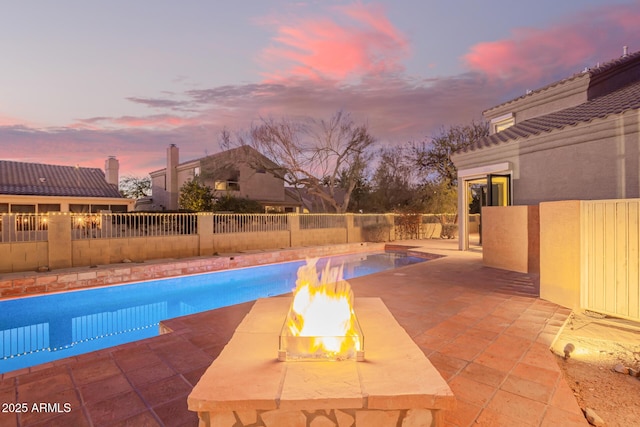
(484, 329)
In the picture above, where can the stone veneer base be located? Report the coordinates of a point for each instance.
(246, 385)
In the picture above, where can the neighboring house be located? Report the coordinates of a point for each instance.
(230, 172)
(575, 139)
(40, 188)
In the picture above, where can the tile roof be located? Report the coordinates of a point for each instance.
(619, 101)
(35, 179)
(590, 73)
(603, 68)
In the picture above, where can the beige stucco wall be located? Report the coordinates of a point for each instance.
(260, 186)
(236, 242)
(109, 251)
(602, 164)
(159, 193)
(59, 254)
(23, 256)
(560, 258)
(322, 236)
(510, 238)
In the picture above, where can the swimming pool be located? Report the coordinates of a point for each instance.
(40, 329)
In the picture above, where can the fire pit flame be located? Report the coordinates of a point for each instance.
(321, 323)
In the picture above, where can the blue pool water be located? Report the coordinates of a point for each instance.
(44, 328)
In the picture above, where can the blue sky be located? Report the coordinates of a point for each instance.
(84, 80)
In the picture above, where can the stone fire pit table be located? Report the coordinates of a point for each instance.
(246, 385)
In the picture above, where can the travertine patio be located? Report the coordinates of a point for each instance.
(485, 330)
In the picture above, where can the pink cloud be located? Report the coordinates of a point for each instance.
(13, 121)
(395, 112)
(534, 56)
(160, 121)
(357, 40)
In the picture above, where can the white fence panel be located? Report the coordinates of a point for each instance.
(611, 257)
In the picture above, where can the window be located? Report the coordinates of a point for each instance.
(99, 208)
(46, 207)
(196, 171)
(118, 208)
(23, 208)
(274, 209)
(73, 208)
(226, 186)
(501, 123)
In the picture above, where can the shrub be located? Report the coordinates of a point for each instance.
(449, 231)
(376, 232)
(237, 205)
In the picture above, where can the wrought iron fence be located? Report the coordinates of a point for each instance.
(27, 227)
(318, 221)
(249, 223)
(115, 225)
(34, 227)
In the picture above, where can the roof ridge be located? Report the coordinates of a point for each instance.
(49, 165)
(591, 72)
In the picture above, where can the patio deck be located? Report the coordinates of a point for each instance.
(485, 330)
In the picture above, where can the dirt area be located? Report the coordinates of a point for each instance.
(599, 347)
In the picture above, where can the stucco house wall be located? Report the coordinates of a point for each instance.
(596, 160)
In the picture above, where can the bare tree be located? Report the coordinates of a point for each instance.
(135, 187)
(325, 158)
(434, 156)
(394, 180)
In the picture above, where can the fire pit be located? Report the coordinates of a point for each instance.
(321, 323)
(248, 386)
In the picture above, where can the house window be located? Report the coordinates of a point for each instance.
(274, 209)
(503, 122)
(74, 208)
(23, 208)
(99, 208)
(4, 207)
(196, 171)
(226, 186)
(47, 207)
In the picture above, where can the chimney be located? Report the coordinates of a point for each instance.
(172, 177)
(111, 170)
(625, 51)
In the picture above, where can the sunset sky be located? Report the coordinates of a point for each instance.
(80, 81)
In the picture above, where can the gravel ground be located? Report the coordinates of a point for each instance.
(602, 351)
